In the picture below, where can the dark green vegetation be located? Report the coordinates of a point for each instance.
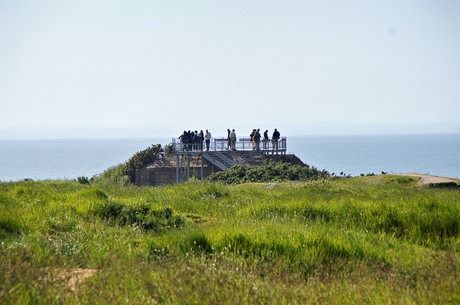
(269, 171)
(141, 159)
(367, 240)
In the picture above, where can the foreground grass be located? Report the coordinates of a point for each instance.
(351, 241)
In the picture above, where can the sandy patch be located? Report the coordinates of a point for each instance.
(72, 278)
(430, 179)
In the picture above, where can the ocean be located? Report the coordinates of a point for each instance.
(42, 159)
(434, 154)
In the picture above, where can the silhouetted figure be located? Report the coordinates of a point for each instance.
(275, 138)
(252, 139)
(266, 139)
(183, 140)
(229, 142)
(189, 140)
(196, 140)
(201, 140)
(257, 139)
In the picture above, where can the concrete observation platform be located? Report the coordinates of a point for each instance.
(194, 161)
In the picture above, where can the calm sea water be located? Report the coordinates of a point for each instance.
(437, 154)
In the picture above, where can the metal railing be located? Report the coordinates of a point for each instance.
(241, 144)
(219, 159)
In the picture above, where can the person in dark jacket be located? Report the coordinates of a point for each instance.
(257, 139)
(275, 138)
(229, 142)
(266, 139)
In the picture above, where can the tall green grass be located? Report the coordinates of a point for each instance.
(350, 241)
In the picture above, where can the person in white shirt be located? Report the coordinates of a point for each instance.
(207, 138)
(233, 140)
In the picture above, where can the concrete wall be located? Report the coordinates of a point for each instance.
(155, 176)
(163, 171)
(167, 175)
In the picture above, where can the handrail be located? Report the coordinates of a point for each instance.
(219, 159)
(242, 144)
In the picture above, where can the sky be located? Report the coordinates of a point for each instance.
(140, 67)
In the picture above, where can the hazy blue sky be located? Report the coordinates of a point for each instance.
(164, 66)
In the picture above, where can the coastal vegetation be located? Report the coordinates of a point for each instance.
(376, 239)
(125, 173)
(141, 159)
(269, 171)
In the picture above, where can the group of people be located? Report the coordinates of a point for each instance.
(256, 138)
(195, 140)
(231, 139)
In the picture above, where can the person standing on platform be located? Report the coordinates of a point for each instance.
(275, 138)
(201, 137)
(257, 139)
(183, 140)
(207, 139)
(253, 143)
(266, 139)
(233, 140)
(229, 143)
(196, 141)
(189, 140)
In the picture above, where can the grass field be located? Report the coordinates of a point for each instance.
(367, 240)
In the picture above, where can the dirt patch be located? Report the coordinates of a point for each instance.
(271, 186)
(71, 278)
(430, 179)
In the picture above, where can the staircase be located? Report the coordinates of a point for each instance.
(219, 159)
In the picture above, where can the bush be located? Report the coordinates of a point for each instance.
(141, 159)
(9, 226)
(83, 180)
(143, 216)
(267, 172)
(197, 243)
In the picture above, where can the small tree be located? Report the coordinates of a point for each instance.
(141, 159)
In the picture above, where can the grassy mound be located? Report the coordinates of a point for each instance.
(349, 241)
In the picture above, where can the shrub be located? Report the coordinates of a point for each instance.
(269, 171)
(197, 243)
(404, 180)
(83, 180)
(9, 226)
(144, 216)
(141, 159)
